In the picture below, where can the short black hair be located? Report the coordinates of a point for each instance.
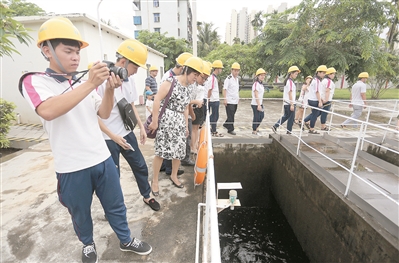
(189, 70)
(65, 41)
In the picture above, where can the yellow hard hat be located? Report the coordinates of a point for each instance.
(260, 71)
(322, 68)
(235, 66)
(217, 64)
(207, 68)
(195, 63)
(330, 71)
(293, 68)
(181, 59)
(57, 28)
(134, 51)
(153, 68)
(363, 75)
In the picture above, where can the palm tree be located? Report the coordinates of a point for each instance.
(257, 23)
(236, 40)
(208, 38)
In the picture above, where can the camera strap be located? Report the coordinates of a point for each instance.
(53, 74)
(118, 94)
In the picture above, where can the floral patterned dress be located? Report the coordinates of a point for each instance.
(170, 142)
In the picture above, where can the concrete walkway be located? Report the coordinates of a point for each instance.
(37, 228)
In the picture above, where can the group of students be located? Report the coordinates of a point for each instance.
(87, 133)
(317, 92)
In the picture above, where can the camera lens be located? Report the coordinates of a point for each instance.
(121, 72)
(118, 71)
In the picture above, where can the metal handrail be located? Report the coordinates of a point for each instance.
(359, 144)
(210, 224)
(211, 246)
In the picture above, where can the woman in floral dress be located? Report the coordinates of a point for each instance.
(170, 142)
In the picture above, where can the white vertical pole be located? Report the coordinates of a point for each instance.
(194, 26)
(99, 30)
(354, 160)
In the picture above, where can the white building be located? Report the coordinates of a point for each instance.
(240, 26)
(173, 17)
(31, 60)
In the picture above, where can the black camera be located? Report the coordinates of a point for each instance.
(118, 71)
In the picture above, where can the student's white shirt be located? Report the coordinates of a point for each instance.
(212, 84)
(313, 88)
(289, 86)
(115, 122)
(357, 89)
(148, 104)
(327, 83)
(75, 137)
(261, 90)
(232, 87)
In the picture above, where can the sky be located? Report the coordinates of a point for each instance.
(120, 11)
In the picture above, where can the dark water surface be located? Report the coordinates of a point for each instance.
(258, 235)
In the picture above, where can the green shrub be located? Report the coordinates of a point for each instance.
(6, 116)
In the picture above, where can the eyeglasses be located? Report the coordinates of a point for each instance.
(203, 77)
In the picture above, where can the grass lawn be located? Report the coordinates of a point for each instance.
(340, 94)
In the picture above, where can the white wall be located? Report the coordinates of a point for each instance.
(31, 60)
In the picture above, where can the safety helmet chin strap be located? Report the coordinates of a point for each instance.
(54, 56)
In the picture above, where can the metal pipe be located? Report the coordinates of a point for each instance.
(194, 27)
(331, 117)
(198, 232)
(389, 123)
(353, 161)
(99, 31)
(365, 127)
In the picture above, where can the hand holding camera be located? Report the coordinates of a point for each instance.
(98, 73)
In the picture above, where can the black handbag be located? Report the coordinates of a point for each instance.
(127, 114)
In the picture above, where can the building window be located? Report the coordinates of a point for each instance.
(178, 3)
(156, 3)
(178, 32)
(137, 20)
(136, 34)
(157, 29)
(137, 4)
(178, 17)
(157, 17)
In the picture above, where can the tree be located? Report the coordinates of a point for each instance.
(257, 22)
(316, 32)
(236, 40)
(108, 23)
(169, 46)
(11, 28)
(6, 116)
(208, 38)
(393, 33)
(23, 8)
(245, 55)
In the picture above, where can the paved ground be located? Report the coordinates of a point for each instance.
(37, 228)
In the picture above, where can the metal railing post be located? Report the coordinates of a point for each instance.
(99, 30)
(390, 121)
(331, 116)
(353, 161)
(365, 128)
(301, 130)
